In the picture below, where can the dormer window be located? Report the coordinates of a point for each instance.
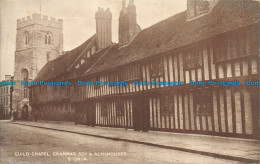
(88, 55)
(93, 50)
(196, 8)
(48, 39)
(26, 39)
(82, 61)
(77, 66)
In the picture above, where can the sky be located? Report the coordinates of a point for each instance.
(78, 20)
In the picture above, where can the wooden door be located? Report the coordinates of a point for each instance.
(141, 114)
(91, 113)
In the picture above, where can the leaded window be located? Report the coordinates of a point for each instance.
(103, 109)
(166, 104)
(193, 59)
(120, 108)
(202, 102)
(157, 68)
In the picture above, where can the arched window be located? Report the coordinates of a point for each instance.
(25, 77)
(25, 74)
(48, 39)
(26, 39)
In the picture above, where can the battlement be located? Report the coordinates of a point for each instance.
(103, 14)
(39, 19)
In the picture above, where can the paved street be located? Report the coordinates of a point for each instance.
(23, 144)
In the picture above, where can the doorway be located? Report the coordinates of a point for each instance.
(141, 113)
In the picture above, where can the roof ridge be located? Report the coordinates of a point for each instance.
(154, 25)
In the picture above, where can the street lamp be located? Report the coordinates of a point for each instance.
(11, 98)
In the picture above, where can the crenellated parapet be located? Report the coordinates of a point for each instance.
(39, 19)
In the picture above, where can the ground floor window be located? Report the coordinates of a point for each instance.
(166, 104)
(103, 109)
(120, 108)
(202, 102)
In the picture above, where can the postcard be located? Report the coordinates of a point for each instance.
(129, 81)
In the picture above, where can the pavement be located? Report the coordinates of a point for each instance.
(236, 149)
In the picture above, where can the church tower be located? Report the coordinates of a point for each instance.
(39, 39)
(128, 27)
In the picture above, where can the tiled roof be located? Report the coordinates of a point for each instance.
(165, 36)
(60, 65)
(176, 32)
(77, 72)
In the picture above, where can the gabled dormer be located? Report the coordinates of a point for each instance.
(198, 8)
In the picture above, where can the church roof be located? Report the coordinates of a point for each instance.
(176, 32)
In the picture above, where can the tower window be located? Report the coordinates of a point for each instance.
(25, 77)
(48, 56)
(26, 39)
(48, 39)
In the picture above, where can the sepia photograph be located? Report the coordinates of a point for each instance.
(129, 81)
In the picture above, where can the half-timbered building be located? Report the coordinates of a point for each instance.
(213, 42)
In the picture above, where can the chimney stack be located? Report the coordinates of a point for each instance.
(103, 28)
(123, 4)
(128, 27)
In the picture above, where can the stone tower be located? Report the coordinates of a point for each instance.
(39, 39)
(103, 28)
(128, 27)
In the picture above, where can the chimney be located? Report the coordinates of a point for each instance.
(131, 2)
(123, 4)
(128, 27)
(103, 28)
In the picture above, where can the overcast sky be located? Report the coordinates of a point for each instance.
(78, 20)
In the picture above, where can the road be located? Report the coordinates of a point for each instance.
(23, 144)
